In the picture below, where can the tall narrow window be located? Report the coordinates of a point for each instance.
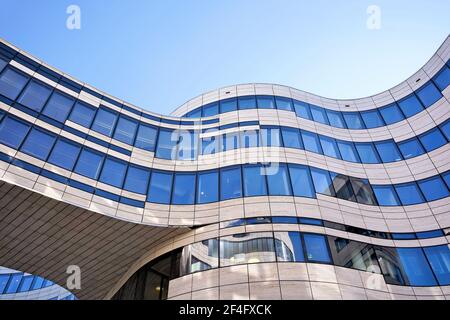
(302, 110)
(439, 258)
(278, 181)
(363, 191)
(208, 187)
(160, 187)
(416, 267)
(254, 181)
(183, 188)
(230, 183)
(316, 248)
(322, 182)
(302, 185)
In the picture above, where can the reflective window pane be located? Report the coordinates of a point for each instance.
(411, 148)
(160, 187)
(391, 114)
(228, 105)
(265, 102)
(249, 139)
(230, 183)
(200, 256)
(302, 185)
(270, 137)
(12, 132)
(409, 194)
(433, 188)
(183, 191)
(410, 105)
(319, 114)
(416, 267)
(336, 119)
(302, 110)
(34, 96)
(254, 181)
(372, 119)
(288, 247)
(104, 122)
(363, 191)
(432, 140)
(388, 151)
(89, 164)
(367, 153)
(291, 138)
(38, 144)
(187, 145)
(283, 103)
(58, 107)
(211, 109)
(348, 151)
(442, 79)
(247, 102)
(208, 183)
(82, 114)
(342, 186)
(196, 113)
(230, 141)
(391, 266)
(353, 120)
(12, 83)
(322, 182)
(278, 180)
(445, 127)
(329, 147)
(14, 283)
(146, 137)
(167, 144)
(311, 141)
(125, 130)
(210, 145)
(137, 179)
(429, 94)
(113, 172)
(3, 64)
(439, 258)
(64, 154)
(316, 248)
(386, 195)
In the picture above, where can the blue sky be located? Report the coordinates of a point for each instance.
(159, 54)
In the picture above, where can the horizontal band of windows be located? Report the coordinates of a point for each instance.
(334, 225)
(251, 180)
(188, 146)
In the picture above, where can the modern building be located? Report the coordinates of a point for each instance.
(253, 191)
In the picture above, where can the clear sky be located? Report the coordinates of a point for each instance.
(159, 54)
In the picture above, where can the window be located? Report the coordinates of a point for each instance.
(311, 141)
(230, 183)
(265, 102)
(388, 151)
(34, 96)
(291, 138)
(167, 144)
(367, 153)
(386, 195)
(183, 191)
(353, 120)
(3, 64)
(113, 172)
(38, 144)
(104, 122)
(197, 113)
(288, 247)
(372, 119)
(14, 283)
(230, 141)
(302, 185)
(409, 193)
(125, 130)
(82, 114)
(411, 148)
(310, 221)
(4, 278)
(439, 258)
(429, 234)
(247, 102)
(446, 177)
(270, 137)
(363, 191)
(58, 107)
(187, 145)
(254, 181)
(160, 187)
(322, 182)
(12, 132)
(353, 254)
(228, 105)
(283, 103)
(433, 188)
(342, 186)
(64, 154)
(207, 187)
(89, 164)
(200, 256)
(249, 139)
(211, 109)
(210, 145)
(336, 119)
(416, 267)
(329, 147)
(445, 127)
(38, 282)
(391, 114)
(302, 110)
(247, 248)
(410, 105)
(11, 83)
(429, 94)
(442, 79)
(348, 151)
(26, 283)
(278, 180)
(137, 179)
(316, 248)
(432, 140)
(146, 137)
(319, 114)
